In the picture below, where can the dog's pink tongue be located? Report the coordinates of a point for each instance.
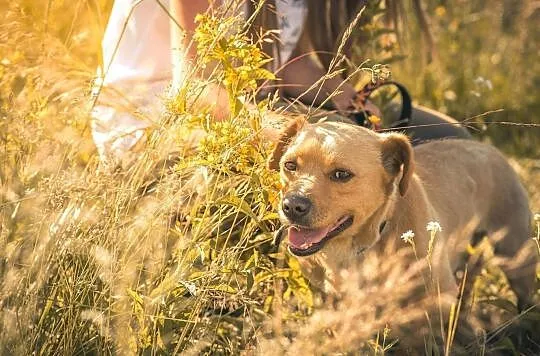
(303, 238)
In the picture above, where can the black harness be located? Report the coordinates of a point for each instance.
(361, 115)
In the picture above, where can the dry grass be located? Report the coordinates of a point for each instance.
(174, 254)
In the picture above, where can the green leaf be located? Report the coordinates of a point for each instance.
(135, 296)
(262, 73)
(223, 288)
(243, 207)
(266, 275)
(270, 216)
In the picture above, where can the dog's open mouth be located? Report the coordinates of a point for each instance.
(304, 241)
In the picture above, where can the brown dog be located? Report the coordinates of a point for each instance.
(346, 189)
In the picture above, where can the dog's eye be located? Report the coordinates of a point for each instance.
(290, 166)
(340, 175)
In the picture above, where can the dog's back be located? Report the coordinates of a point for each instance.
(481, 195)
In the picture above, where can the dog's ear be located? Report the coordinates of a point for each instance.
(283, 142)
(397, 152)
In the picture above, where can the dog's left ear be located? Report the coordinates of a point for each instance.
(397, 152)
(283, 142)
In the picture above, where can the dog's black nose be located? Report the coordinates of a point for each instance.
(295, 206)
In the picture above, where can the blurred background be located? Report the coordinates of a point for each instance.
(465, 58)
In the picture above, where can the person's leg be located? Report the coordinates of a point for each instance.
(427, 124)
(137, 70)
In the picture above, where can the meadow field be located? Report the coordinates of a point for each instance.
(171, 251)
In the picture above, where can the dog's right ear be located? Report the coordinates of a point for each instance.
(398, 159)
(285, 138)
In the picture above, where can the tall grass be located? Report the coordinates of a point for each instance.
(174, 254)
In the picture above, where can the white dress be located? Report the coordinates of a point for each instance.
(138, 67)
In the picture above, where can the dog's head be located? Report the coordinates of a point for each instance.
(338, 184)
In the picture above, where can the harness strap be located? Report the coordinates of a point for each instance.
(361, 115)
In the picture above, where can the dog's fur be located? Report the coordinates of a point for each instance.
(466, 186)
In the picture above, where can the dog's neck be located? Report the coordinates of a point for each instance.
(409, 212)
